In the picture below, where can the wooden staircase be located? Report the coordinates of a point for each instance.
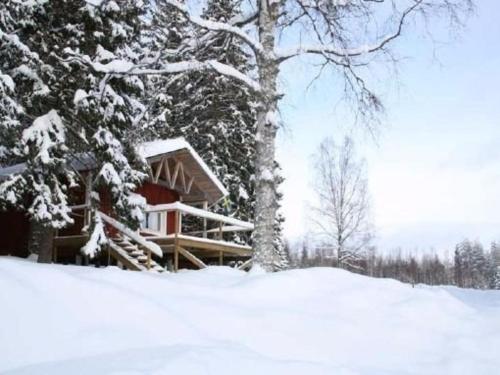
(132, 256)
(131, 249)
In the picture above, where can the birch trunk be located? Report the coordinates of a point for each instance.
(265, 205)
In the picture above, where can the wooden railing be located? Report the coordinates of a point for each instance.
(183, 240)
(149, 246)
(225, 223)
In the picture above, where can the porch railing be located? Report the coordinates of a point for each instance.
(225, 223)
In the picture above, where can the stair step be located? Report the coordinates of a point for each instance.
(130, 248)
(136, 253)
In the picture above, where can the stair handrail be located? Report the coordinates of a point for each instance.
(148, 245)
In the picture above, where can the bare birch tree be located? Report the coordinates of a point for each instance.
(346, 36)
(342, 209)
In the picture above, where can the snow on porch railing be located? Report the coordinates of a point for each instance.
(148, 245)
(184, 208)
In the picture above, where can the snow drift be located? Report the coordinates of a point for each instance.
(78, 320)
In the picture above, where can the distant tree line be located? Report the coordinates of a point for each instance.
(343, 232)
(472, 266)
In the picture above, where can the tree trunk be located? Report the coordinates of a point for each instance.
(41, 241)
(266, 205)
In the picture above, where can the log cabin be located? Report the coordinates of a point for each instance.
(179, 230)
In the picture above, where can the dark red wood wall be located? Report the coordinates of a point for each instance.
(157, 194)
(14, 225)
(14, 233)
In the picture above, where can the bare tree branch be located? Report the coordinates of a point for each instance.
(328, 49)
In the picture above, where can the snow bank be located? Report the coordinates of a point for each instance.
(79, 320)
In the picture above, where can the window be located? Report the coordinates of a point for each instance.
(155, 221)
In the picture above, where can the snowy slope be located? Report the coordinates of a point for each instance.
(78, 320)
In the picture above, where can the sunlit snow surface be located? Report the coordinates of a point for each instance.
(80, 320)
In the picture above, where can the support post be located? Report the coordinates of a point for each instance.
(148, 263)
(205, 207)
(86, 210)
(193, 259)
(176, 257)
(54, 247)
(221, 258)
(179, 217)
(176, 242)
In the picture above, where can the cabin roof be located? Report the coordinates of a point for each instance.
(10, 170)
(206, 186)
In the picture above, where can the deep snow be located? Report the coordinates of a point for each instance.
(78, 320)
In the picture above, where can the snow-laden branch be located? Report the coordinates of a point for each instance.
(244, 19)
(124, 67)
(328, 50)
(255, 45)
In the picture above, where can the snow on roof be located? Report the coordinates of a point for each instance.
(165, 146)
(13, 169)
(147, 150)
(162, 146)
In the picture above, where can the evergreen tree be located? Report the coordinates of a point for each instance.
(214, 113)
(496, 280)
(458, 268)
(493, 266)
(479, 266)
(63, 108)
(471, 266)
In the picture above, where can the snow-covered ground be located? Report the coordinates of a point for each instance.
(78, 320)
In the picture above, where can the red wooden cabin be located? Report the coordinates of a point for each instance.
(178, 230)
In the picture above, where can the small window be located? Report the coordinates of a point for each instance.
(155, 221)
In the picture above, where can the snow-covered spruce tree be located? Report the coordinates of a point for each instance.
(345, 36)
(65, 111)
(471, 266)
(15, 57)
(496, 280)
(458, 267)
(495, 262)
(27, 132)
(479, 265)
(215, 113)
(10, 109)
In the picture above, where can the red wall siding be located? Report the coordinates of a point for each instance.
(14, 233)
(14, 226)
(157, 194)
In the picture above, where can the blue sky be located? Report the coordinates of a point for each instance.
(434, 168)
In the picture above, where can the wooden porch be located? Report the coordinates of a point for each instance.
(200, 238)
(202, 244)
